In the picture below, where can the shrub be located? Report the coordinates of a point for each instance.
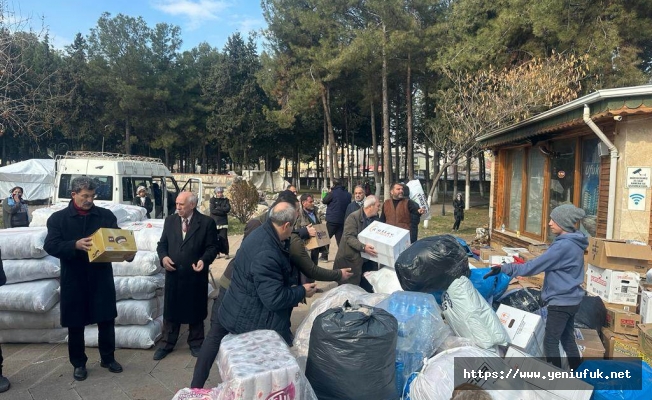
(244, 200)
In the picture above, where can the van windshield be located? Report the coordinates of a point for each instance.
(104, 189)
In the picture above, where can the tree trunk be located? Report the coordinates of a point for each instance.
(127, 136)
(427, 177)
(456, 177)
(325, 157)
(409, 151)
(467, 194)
(374, 147)
(325, 99)
(204, 159)
(387, 169)
(481, 173)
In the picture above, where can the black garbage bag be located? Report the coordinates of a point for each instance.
(526, 299)
(431, 264)
(592, 313)
(352, 354)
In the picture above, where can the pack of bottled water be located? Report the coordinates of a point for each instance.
(421, 330)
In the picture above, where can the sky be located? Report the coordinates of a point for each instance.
(211, 21)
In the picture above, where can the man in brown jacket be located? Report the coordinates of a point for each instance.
(399, 211)
(350, 248)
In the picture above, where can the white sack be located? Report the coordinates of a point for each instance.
(419, 197)
(333, 298)
(138, 287)
(470, 316)
(145, 263)
(30, 320)
(56, 335)
(436, 380)
(138, 312)
(123, 212)
(147, 233)
(36, 297)
(20, 243)
(370, 299)
(31, 269)
(129, 336)
(259, 365)
(384, 280)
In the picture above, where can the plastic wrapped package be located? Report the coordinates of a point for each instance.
(333, 298)
(592, 313)
(418, 196)
(199, 394)
(431, 264)
(30, 320)
(53, 335)
(147, 233)
(31, 269)
(421, 329)
(129, 336)
(145, 263)
(123, 212)
(436, 381)
(22, 243)
(370, 299)
(139, 312)
(37, 296)
(491, 288)
(138, 287)
(470, 316)
(384, 280)
(352, 353)
(526, 299)
(452, 342)
(259, 365)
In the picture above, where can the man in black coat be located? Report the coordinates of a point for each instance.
(263, 290)
(4, 382)
(220, 209)
(337, 200)
(188, 246)
(87, 289)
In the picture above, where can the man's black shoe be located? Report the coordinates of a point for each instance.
(194, 351)
(113, 366)
(80, 373)
(161, 354)
(4, 384)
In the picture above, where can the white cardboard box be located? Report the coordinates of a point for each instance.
(646, 307)
(525, 329)
(388, 240)
(620, 287)
(500, 260)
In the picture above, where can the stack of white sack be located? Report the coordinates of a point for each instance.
(333, 298)
(123, 212)
(255, 365)
(384, 280)
(29, 302)
(147, 232)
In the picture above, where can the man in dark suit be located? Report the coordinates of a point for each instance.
(188, 246)
(87, 289)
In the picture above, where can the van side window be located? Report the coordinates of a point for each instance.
(127, 190)
(103, 191)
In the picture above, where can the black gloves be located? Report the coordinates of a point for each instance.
(495, 270)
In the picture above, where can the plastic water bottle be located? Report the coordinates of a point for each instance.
(502, 228)
(400, 372)
(324, 192)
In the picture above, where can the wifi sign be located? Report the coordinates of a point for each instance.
(636, 198)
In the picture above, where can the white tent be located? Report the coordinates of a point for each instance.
(36, 177)
(265, 180)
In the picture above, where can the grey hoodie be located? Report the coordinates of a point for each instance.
(563, 264)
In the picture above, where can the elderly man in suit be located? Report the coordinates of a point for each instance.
(349, 254)
(188, 246)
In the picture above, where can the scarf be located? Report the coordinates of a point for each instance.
(80, 211)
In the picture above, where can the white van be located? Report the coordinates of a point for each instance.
(118, 177)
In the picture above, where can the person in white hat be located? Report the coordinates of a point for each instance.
(143, 200)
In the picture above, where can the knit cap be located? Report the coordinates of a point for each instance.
(141, 188)
(566, 216)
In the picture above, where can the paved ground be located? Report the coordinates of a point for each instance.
(42, 371)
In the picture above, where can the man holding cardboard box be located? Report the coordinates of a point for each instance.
(350, 249)
(402, 212)
(304, 224)
(563, 264)
(87, 289)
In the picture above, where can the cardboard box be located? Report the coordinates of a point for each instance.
(619, 287)
(535, 280)
(525, 329)
(320, 239)
(618, 255)
(624, 322)
(486, 253)
(389, 241)
(499, 260)
(646, 307)
(112, 245)
(645, 339)
(514, 251)
(617, 345)
(623, 307)
(589, 343)
(527, 256)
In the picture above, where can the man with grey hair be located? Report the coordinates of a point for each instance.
(356, 204)
(87, 290)
(263, 290)
(188, 245)
(349, 252)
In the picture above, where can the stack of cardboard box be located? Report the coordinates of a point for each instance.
(614, 270)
